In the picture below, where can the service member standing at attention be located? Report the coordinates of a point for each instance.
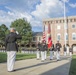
(52, 52)
(70, 51)
(38, 50)
(43, 49)
(65, 52)
(46, 48)
(58, 46)
(11, 47)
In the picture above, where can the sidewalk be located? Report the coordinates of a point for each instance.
(36, 67)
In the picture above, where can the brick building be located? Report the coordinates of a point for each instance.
(57, 30)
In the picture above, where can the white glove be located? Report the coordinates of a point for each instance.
(17, 32)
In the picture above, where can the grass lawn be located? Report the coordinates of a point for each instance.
(20, 56)
(73, 66)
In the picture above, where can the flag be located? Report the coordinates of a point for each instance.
(49, 37)
(44, 37)
(49, 42)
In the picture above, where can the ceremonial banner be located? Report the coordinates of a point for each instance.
(49, 37)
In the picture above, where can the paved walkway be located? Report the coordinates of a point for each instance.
(36, 67)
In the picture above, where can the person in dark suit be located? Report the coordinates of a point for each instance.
(12, 48)
(58, 46)
(43, 50)
(38, 50)
(52, 52)
(65, 51)
(70, 51)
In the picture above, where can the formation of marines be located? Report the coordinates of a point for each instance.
(55, 49)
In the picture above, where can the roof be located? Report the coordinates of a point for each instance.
(58, 18)
(37, 33)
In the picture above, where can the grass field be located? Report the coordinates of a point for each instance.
(73, 66)
(19, 56)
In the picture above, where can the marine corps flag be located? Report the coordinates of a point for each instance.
(49, 42)
(49, 37)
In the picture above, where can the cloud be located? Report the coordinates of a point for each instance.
(23, 5)
(3, 2)
(72, 5)
(32, 10)
(47, 9)
(8, 17)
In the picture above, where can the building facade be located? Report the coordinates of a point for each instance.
(37, 37)
(60, 32)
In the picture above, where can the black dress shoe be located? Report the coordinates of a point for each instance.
(58, 60)
(12, 71)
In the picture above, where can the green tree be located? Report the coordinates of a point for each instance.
(24, 28)
(3, 31)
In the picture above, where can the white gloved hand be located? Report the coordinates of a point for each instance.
(17, 32)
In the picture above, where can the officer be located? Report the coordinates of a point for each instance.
(12, 48)
(43, 50)
(38, 50)
(52, 52)
(58, 46)
(70, 51)
(65, 51)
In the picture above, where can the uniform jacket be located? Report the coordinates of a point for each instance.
(38, 46)
(52, 47)
(65, 48)
(44, 47)
(58, 46)
(70, 49)
(10, 41)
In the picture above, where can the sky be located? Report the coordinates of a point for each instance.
(34, 11)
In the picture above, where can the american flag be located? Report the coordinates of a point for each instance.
(44, 36)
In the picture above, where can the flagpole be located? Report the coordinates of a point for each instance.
(64, 24)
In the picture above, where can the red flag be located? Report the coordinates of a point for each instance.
(49, 37)
(49, 42)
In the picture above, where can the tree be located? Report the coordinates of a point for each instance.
(24, 28)
(3, 31)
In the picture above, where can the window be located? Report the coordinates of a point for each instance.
(58, 36)
(74, 20)
(66, 36)
(58, 27)
(56, 21)
(34, 38)
(51, 21)
(74, 36)
(70, 20)
(66, 26)
(60, 21)
(73, 26)
(39, 39)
